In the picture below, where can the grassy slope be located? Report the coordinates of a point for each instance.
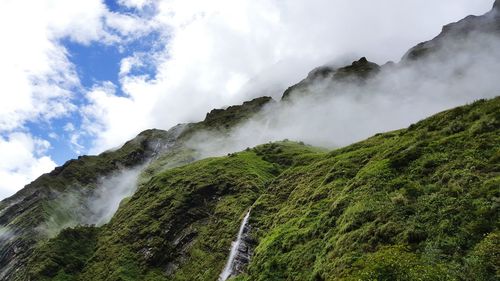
(43, 204)
(38, 205)
(183, 218)
(414, 204)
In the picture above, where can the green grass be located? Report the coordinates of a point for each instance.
(407, 205)
(71, 249)
(41, 209)
(415, 204)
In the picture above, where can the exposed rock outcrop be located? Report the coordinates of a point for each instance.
(358, 72)
(454, 35)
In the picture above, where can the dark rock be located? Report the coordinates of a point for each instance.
(453, 34)
(358, 72)
(320, 72)
(225, 118)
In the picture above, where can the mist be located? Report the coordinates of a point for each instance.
(5, 234)
(92, 207)
(334, 114)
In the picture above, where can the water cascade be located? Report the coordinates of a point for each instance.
(240, 253)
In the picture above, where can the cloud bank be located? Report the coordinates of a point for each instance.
(332, 114)
(23, 159)
(220, 52)
(205, 54)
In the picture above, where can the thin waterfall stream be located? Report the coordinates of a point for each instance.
(239, 251)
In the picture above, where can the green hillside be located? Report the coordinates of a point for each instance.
(420, 203)
(414, 204)
(63, 198)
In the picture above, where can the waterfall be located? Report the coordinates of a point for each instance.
(239, 251)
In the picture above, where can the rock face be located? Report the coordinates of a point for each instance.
(361, 70)
(240, 253)
(358, 72)
(233, 114)
(455, 34)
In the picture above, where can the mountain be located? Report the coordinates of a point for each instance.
(452, 36)
(414, 204)
(65, 197)
(358, 72)
(449, 52)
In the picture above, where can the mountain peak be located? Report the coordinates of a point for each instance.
(359, 71)
(488, 23)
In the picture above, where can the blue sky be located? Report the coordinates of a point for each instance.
(80, 77)
(95, 63)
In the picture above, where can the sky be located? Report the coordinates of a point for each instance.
(81, 77)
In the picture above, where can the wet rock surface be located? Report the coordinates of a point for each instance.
(244, 252)
(241, 251)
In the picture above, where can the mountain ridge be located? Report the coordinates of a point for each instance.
(22, 214)
(405, 198)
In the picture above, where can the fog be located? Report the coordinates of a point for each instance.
(82, 206)
(328, 113)
(5, 234)
(332, 114)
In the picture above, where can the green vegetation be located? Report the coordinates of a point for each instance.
(58, 199)
(359, 72)
(72, 248)
(42, 208)
(414, 204)
(181, 221)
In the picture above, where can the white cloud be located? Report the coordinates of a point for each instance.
(23, 160)
(129, 63)
(209, 54)
(37, 76)
(329, 113)
(69, 127)
(222, 52)
(138, 4)
(38, 80)
(126, 113)
(128, 25)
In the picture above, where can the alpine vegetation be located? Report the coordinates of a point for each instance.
(362, 171)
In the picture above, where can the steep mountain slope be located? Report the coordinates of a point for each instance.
(414, 204)
(69, 195)
(367, 211)
(194, 210)
(358, 72)
(454, 35)
(24, 216)
(473, 40)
